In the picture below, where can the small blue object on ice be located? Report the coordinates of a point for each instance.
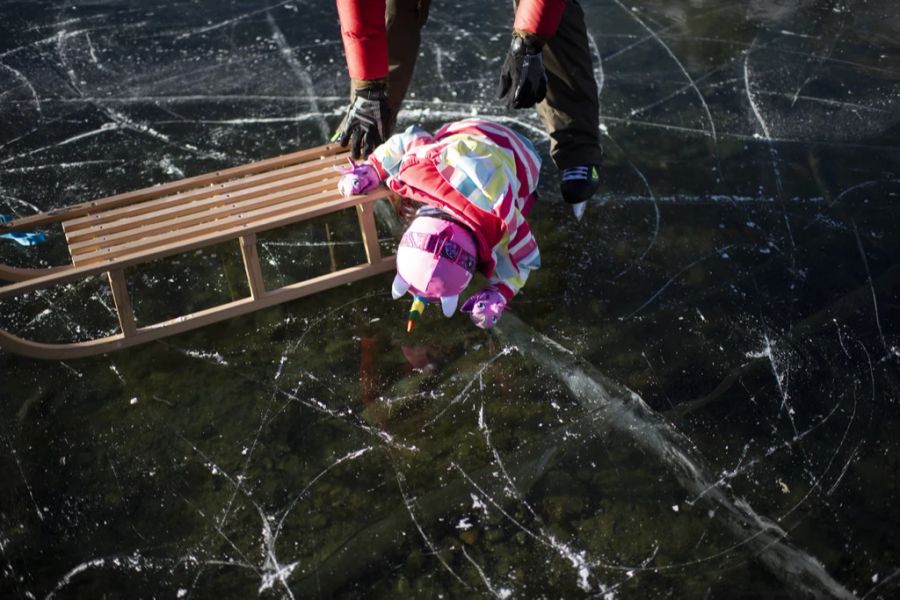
(23, 238)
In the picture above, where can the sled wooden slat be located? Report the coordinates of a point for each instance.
(85, 227)
(125, 231)
(234, 221)
(154, 223)
(157, 191)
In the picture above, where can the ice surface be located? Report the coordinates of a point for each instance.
(735, 284)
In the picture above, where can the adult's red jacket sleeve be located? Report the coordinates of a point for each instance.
(540, 17)
(365, 37)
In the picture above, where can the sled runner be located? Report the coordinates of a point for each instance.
(125, 230)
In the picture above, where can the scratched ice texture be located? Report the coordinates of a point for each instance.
(695, 397)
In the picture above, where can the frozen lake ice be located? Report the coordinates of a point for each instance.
(696, 394)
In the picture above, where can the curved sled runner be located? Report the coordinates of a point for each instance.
(113, 233)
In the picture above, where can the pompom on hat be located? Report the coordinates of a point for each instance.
(435, 262)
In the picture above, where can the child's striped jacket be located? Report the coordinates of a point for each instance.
(484, 175)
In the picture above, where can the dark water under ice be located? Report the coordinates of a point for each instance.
(739, 273)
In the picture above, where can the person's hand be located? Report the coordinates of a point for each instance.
(523, 81)
(367, 122)
(358, 178)
(485, 308)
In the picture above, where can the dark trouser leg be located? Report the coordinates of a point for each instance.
(404, 20)
(571, 110)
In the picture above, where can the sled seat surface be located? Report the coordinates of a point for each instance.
(207, 210)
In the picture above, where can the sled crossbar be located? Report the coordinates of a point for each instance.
(114, 233)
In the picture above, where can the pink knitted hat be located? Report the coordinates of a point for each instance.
(435, 261)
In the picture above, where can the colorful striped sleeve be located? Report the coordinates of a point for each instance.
(515, 256)
(388, 156)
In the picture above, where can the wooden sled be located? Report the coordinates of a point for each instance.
(113, 233)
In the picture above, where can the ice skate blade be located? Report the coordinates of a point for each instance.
(578, 210)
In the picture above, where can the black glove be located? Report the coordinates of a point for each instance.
(523, 81)
(367, 122)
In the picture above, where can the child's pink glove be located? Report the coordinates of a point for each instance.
(485, 308)
(358, 178)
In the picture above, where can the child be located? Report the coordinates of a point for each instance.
(476, 181)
